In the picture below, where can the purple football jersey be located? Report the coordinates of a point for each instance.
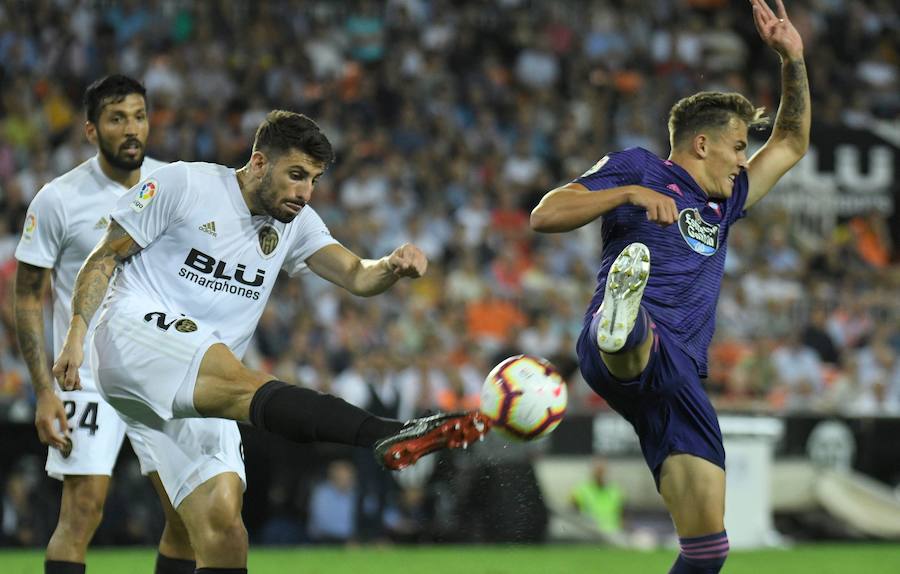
(687, 258)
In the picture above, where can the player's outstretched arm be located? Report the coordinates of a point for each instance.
(32, 284)
(367, 277)
(790, 134)
(572, 206)
(90, 288)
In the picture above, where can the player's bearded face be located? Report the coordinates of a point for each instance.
(122, 131)
(287, 186)
(273, 201)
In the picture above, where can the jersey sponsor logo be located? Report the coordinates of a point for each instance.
(206, 271)
(268, 240)
(29, 227)
(596, 166)
(700, 236)
(145, 195)
(102, 223)
(209, 227)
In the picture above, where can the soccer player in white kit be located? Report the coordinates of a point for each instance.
(63, 224)
(198, 248)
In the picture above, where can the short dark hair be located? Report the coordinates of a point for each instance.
(110, 90)
(691, 115)
(283, 131)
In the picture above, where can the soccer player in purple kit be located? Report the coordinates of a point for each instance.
(646, 332)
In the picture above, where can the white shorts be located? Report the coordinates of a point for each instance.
(188, 452)
(145, 361)
(97, 433)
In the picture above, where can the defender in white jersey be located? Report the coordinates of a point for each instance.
(199, 247)
(66, 219)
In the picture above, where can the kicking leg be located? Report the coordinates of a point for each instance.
(622, 328)
(79, 515)
(176, 556)
(694, 492)
(226, 388)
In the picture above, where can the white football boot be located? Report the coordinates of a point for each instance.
(622, 299)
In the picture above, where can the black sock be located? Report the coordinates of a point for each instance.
(221, 570)
(373, 429)
(166, 565)
(60, 567)
(304, 415)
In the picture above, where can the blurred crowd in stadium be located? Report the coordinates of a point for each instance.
(450, 120)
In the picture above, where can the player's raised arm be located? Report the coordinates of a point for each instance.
(367, 277)
(790, 134)
(90, 288)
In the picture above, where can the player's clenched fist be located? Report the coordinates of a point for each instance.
(408, 261)
(65, 369)
(661, 209)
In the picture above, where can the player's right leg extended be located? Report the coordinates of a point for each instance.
(225, 388)
(79, 515)
(621, 326)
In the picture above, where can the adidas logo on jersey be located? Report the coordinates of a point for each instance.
(102, 223)
(209, 227)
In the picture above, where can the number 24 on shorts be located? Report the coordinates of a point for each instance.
(88, 418)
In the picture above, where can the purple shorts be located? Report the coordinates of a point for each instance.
(666, 404)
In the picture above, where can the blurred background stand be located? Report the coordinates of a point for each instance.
(750, 453)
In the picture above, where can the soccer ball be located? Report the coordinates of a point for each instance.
(525, 397)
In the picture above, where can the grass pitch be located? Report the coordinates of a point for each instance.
(816, 559)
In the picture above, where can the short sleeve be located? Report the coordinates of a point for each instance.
(44, 231)
(147, 210)
(615, 170)
(311, 235)
(735, 204)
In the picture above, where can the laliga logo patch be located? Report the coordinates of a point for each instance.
(30, 226)
(145, 195)
(597, 166)
(268, 240)
(700, 236)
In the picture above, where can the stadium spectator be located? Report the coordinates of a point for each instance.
(798, 372)
(600, 500)
(333, 505)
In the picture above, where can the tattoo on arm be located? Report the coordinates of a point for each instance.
(93, 279)
(793, 111)
(31, 284)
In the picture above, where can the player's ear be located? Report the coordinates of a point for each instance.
(90, 132)
(258, 163)
(700, 144)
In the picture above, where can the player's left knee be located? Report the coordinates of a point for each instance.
(175, 533)
(220, 531)
(81, 517)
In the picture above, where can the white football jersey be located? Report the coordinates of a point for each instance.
(204, 255)
(65, 221)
